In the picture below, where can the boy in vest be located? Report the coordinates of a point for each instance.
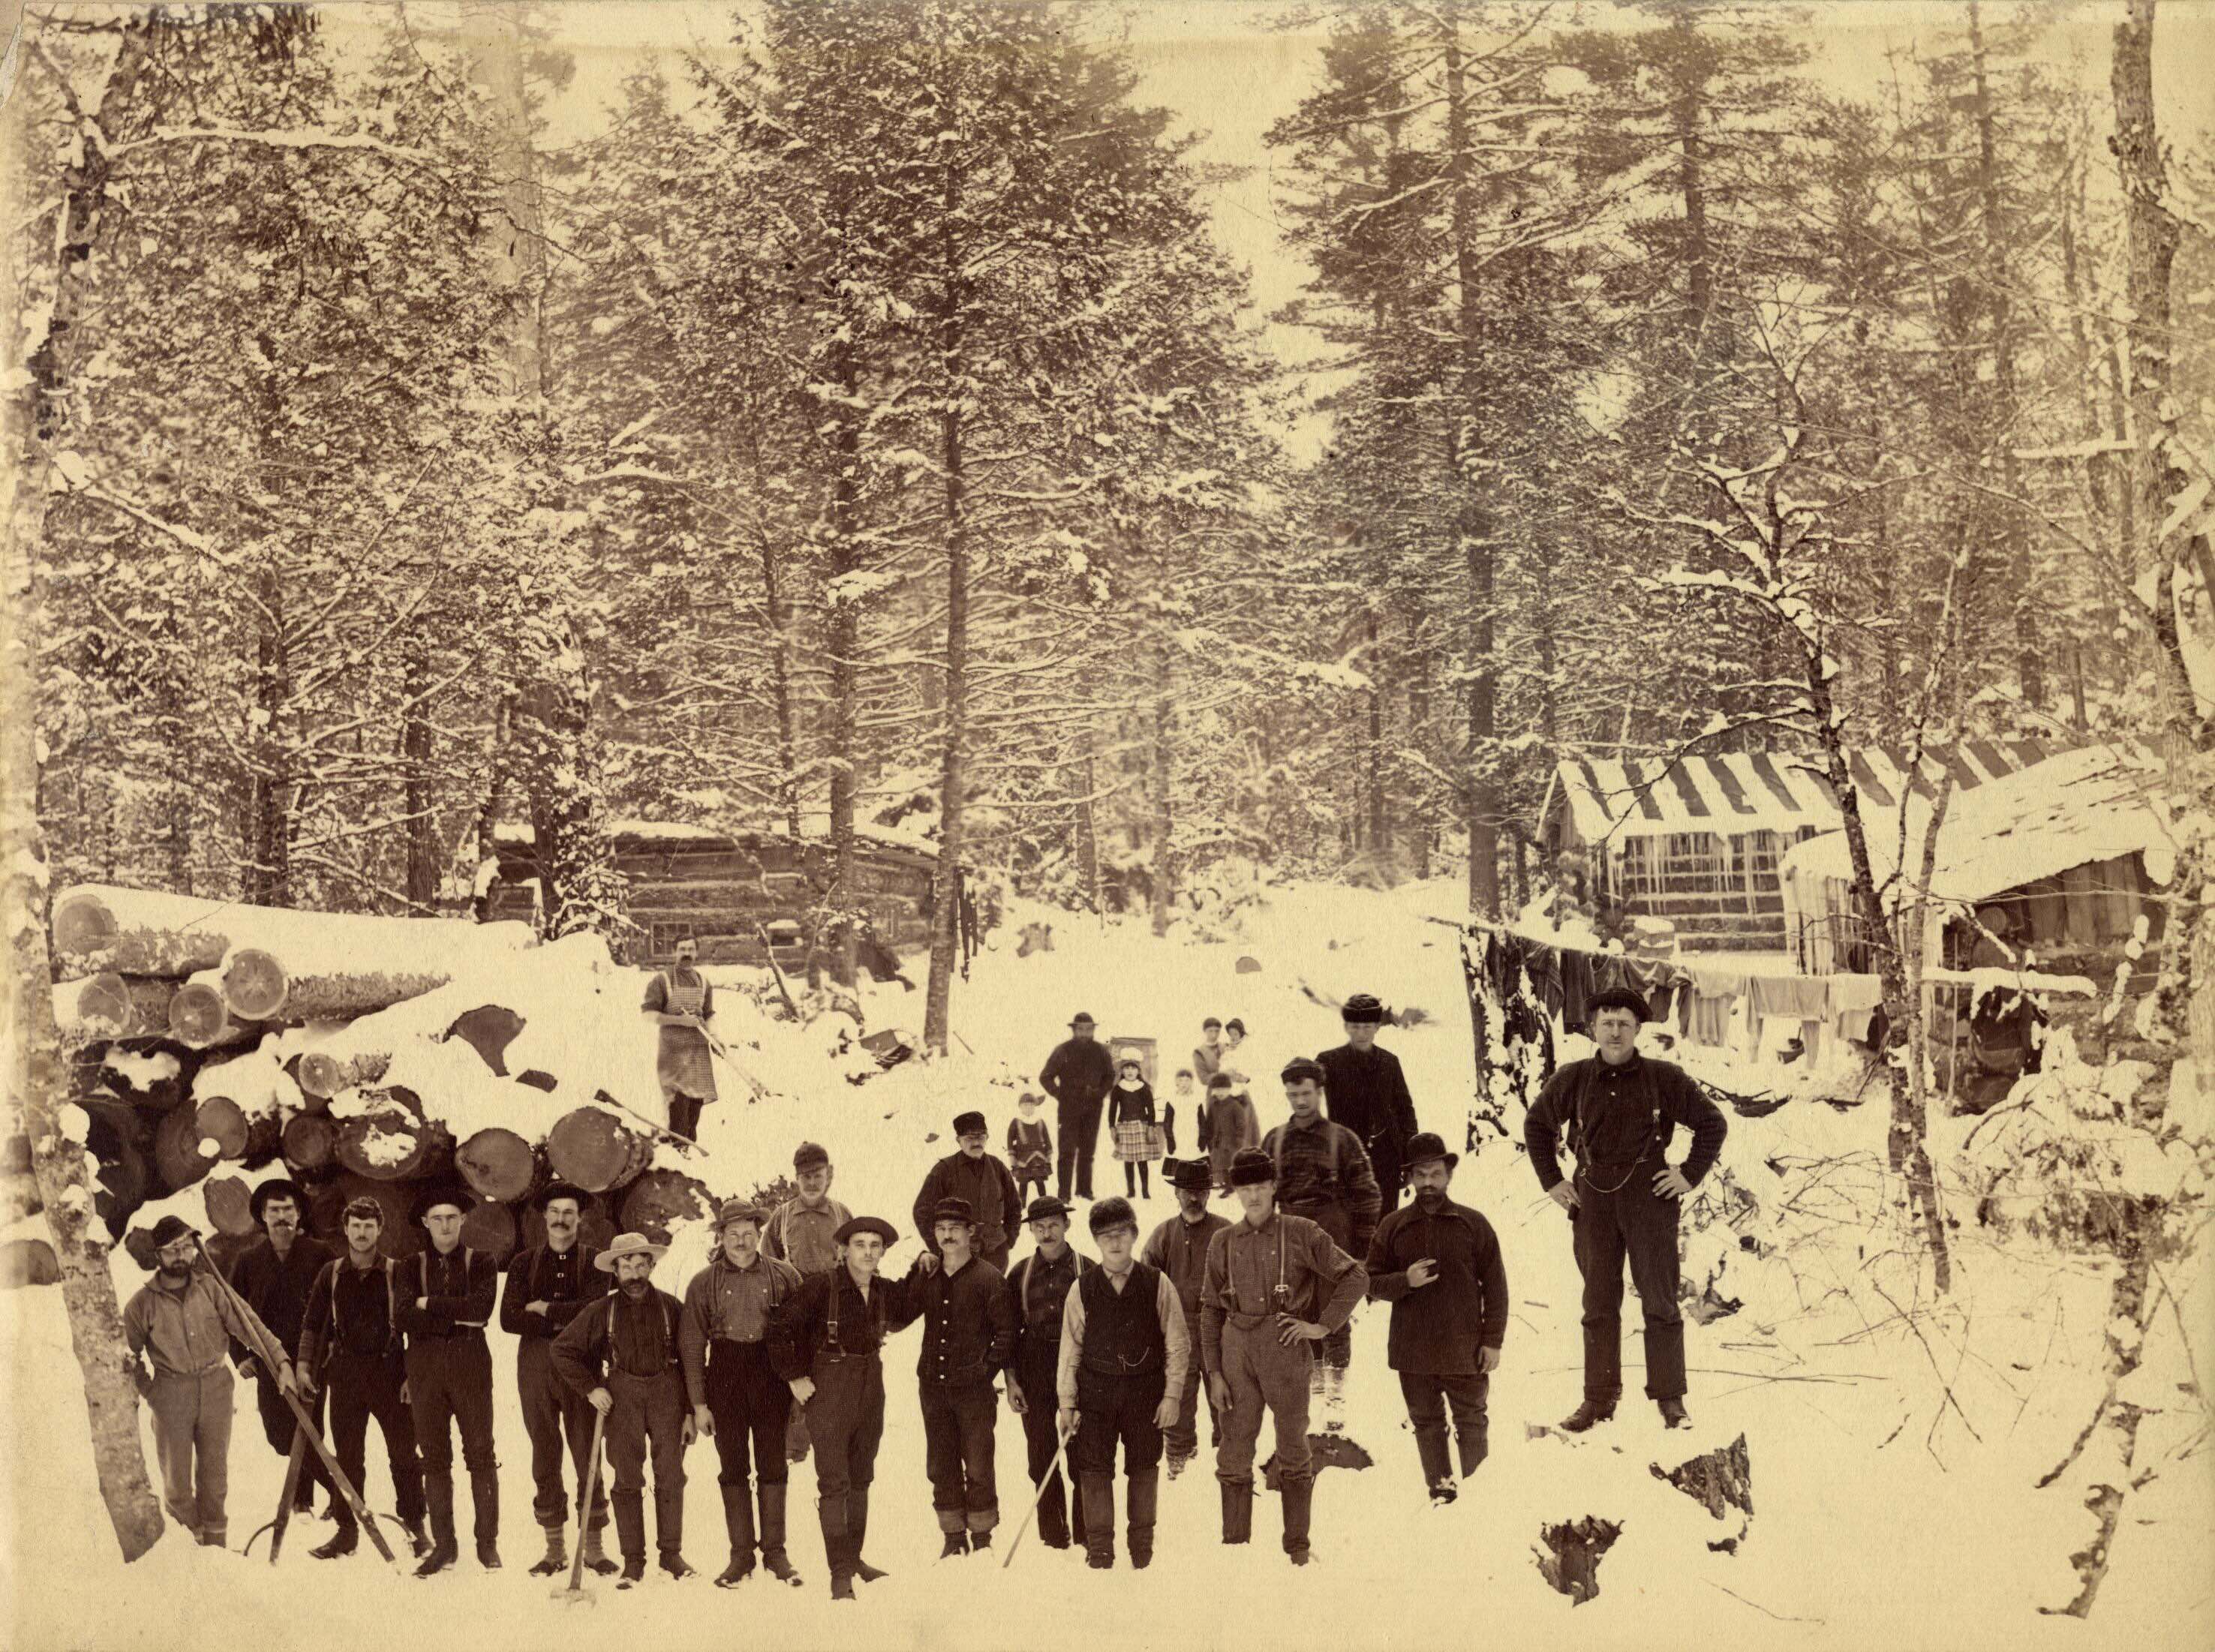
(681, 1002)
(1179, 1248)
(621, 1355)
(350, 1343)
(1030, 1148)
(1038, 1287)
(446, 1293)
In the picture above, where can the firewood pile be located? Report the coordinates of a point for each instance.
(213, 1043)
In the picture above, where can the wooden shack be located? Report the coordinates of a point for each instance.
(1699, 840)
(719, 888)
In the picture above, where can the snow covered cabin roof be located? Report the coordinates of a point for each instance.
(1759, 792)
(2074, 810)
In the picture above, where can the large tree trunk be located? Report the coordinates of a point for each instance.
(1164, 776)
(1087, 825)
(954, 778)
(781, 686)
(268, 880)
(845, 635)
(423, 857)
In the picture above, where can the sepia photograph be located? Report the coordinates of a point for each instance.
(1290, 824)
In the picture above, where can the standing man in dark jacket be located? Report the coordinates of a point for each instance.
(1437, 1264)
(1077, 1075)
(622, 1355)
(1179, 1248)
(968, 1337)
(982, 1182)
(1364, 1089)
(274, 1276)
(547, 1285)
(1037, 1289)
(826, 1343)
(1620, 1108)
(446, 1293)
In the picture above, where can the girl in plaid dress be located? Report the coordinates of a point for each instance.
(1131, 1116)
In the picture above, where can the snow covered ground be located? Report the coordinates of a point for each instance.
(1883, 1515)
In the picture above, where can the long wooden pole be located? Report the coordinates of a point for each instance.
(284, 1517)
(1031, 1514)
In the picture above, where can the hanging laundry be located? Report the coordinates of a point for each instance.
(1854, 1001)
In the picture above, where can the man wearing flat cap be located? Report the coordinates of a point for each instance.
(621, 1353)
(178, 1327)
(548, 1286)
(1619, 1109)
(1037, 1289)
(736, 1394)
(274, 1275)
(1275, 1285)
(1322, 1172)
(1178, 1247)
(1077, 1075)
(980, 1180)
(969, 1327)
(826, 1342)
(446, 1294)
(803, 1231)
(1437, 1264)
(1364, 1089)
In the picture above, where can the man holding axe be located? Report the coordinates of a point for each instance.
(681, 1002)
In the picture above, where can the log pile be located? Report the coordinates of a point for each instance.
(214, 1043)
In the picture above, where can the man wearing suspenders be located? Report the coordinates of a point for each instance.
(680, 1000)
(1039, 1287)
(547, 1285)
(803, 1231)
(446, 1293)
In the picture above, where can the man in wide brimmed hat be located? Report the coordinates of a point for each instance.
(1437, 1264)
(824, 1342)
(1077, 1075)
(274, 1275)
(1037, 1290)
(548, 1286)
(983, 1182)
(969, 1327)
(621, 1353)
(1179, 1248)
(733, 1390)
(446, 1296)
(178, 1326)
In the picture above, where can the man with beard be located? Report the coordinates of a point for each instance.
(548, 1286)
(446, 1293)
(803, 1231)
(968, 1337)
(826, 1343)
(181, 1323)
(274, 1276)
(621, 1353)
(1037, 1289)
(735, 1395)
(1364, 1089)
(350, 1343)
(979, 1180)
(1178, 1247)
(1437, 1264)
(1077, 1075)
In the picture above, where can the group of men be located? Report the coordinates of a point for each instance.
(776, 1346)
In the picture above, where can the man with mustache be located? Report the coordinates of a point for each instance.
(548, 1286)
(273, 1275)
(803, 1231)
(1179, 1249)
(1037, 1290)
(446, 1294)
(182, 1323)
(969, 1325)
(623, 1354)
(1437, 1264)
(681, 1002)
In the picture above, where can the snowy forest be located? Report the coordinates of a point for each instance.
(856, 425)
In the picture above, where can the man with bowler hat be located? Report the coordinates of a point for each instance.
(1077, 1075)
(968, 1337)
(1437, 1264)
(446, 1293)
(1038, 1288)
(273, 1275)
(1619, 1109)
(1179, 1248)
(548, 1286)
(1364, 1089)
(981, 1181)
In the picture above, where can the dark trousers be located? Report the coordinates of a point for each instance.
(450, 1386)
(1028, 1188)
(1391, 1175)
(1059, 1515)
(685, 1116)
(555, 1415)
(957, 1454)
(1633, 1222)
(362, 1386)
(648, 1415)
(751, 1408)
(1079, 1123)
(1427, 1398)
(845, 1422)
(1182, 1436)
(279, 1423)
(1112, 1411)
(1335, 1350)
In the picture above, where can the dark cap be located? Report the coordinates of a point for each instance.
(959, 1210)
(1081, 1018)
(1301, 1067)
(1362, 1007)
(553, 1190)
(1424, 1147)
(170, 1229)
(1044, 1207)
(1618, 998)
(438, 1194)
(277, 1187)
(1190, 1173)
(1111, 1214)
(1250, 1166)
(809, 1156)
(859, 1225)
(971, 1123)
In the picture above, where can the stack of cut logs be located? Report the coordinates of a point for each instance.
(187, 1059)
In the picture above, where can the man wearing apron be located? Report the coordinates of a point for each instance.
(824, 1342)
(681, 1002)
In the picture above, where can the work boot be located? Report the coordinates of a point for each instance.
(1443, 1492)
(1300, 1506)
(858, 1533)
(1098, 1491)
(837, 1550)
(484, 1497)
(438, 1499)
(488, 1554)
(419, 1540)
(341, 1542)
(557, 1552)
(957, 1543)
(739, 1520)
(596, 1557)
(1592, 1410)
(772, 1535)
(979, 1542)
(1673, 1414)
(676, 1566)
(1238, 1511)
(1176, 1465)
(634, 1572)
(1145, 1496)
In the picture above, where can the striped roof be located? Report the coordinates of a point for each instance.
(1760, 791)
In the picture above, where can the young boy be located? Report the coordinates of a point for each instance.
(1226, 1124)
(1030, 1148)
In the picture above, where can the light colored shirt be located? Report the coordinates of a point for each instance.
(186, 1332)
(1176, 1358)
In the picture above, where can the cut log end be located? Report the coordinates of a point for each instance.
(593, 1150)
(497, 1164)
(82, 924)
(489, 1228)
(657, 1200)
(222, 1121)
(230, 1204)
(255, 984)
(318, 1074)
(310, 1139)
(198, 1015)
